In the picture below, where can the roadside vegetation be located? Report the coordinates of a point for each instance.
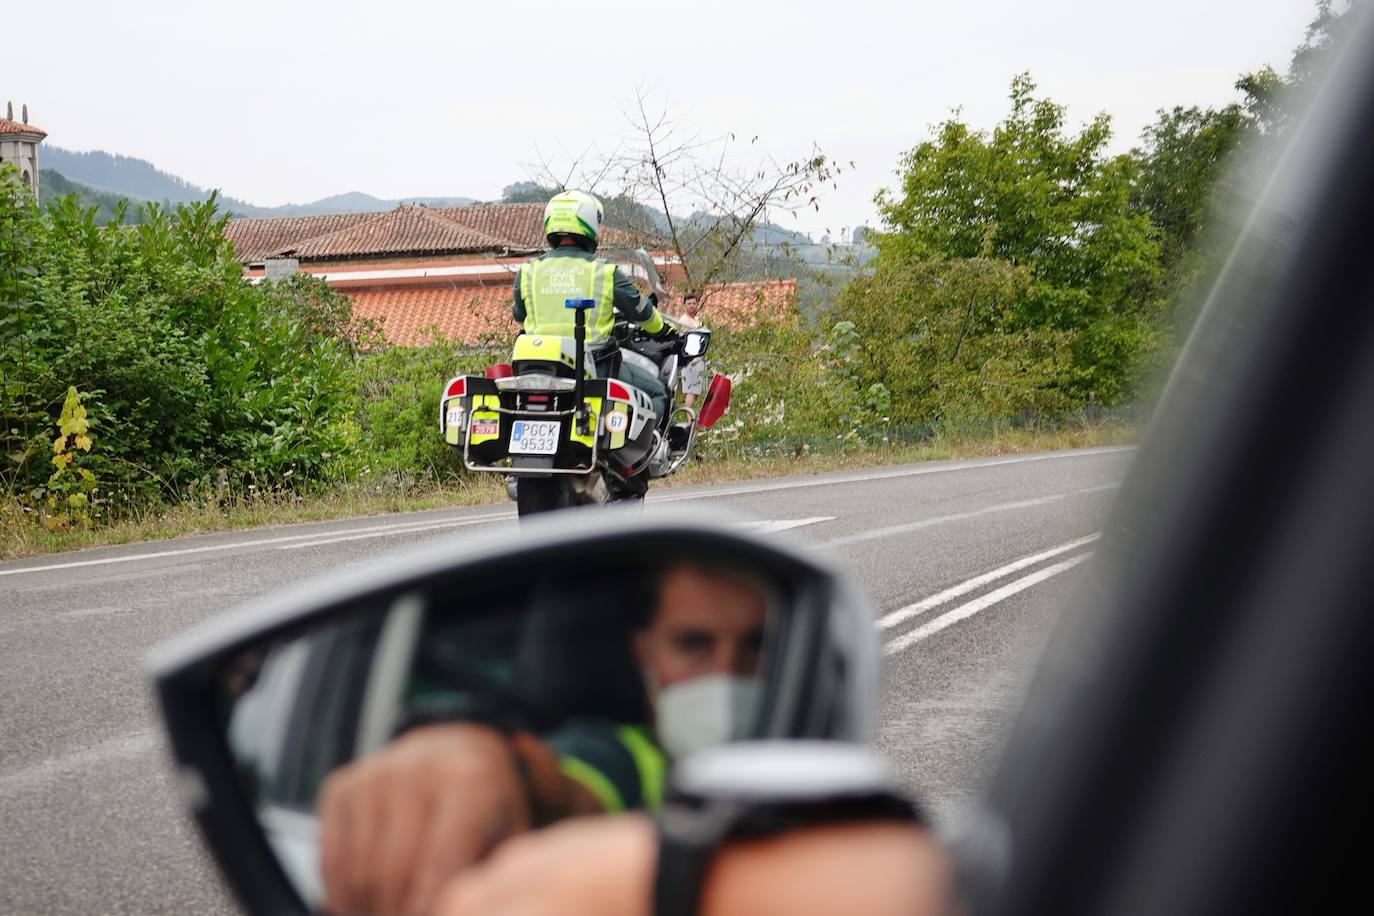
(1027, 288)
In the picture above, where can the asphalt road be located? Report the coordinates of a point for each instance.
(967, 561)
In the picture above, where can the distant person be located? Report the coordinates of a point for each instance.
(694, 374)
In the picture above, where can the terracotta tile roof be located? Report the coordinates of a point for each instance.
(15, 127)
(256, 239)
(467, 314)
(521, 225)
(472, 313)
(736, 304)
(405, 230)
(408, 229)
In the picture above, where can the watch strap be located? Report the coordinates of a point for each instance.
(688, 838)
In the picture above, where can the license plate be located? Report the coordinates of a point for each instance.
(534, 437)
(481, 428)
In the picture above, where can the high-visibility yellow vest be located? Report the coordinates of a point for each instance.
(651, 768)
(547, 284)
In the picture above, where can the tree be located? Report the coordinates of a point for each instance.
(709, 200)
(938, 335)
(1196, 164)
(1181, 165)
(1038, 197)
(1270, 96)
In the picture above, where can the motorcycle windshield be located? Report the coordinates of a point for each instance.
(637, 264)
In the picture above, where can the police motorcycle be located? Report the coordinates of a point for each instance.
(566, 429)
(272, 712)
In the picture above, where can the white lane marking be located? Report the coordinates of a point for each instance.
(901, 615)
(130, 558)
(888, 475)
(91, 612)
(769, 527)
(77, 762)
(408, 530)
(709, 494)
(908, 527)
(965, 611)
(761, 527)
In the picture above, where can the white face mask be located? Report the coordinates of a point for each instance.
(706, 712)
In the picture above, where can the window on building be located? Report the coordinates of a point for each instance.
(28, 182)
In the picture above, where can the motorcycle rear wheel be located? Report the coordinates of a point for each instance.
(541, 494)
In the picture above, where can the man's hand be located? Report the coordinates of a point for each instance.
(597, 866)
(397, 824)
(606, 865)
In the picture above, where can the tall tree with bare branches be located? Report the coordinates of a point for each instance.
(708, 199)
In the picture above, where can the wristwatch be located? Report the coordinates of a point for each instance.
(761, 788)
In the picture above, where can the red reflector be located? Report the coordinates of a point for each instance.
(536, 398)
(716, 403)
(617, 392)
(457, 388)
(500, 370)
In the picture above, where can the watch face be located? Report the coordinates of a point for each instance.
(781, 771)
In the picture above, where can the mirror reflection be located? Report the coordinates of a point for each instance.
(385, 750)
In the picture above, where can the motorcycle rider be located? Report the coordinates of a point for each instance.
(570, 269)
(399, 823)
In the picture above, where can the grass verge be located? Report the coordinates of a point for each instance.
(21, 535)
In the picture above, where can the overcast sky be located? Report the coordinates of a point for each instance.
(278, 102)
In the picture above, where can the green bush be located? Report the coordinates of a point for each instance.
(192, 374)
(1056, 204)
(781, 381)
(397, 398)
(941, 340)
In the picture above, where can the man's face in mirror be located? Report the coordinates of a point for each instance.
(705, 623)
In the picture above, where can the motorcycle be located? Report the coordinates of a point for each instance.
(566, 429)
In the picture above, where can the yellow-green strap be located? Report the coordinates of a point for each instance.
(654, 324)
(649, 761)
(592, 779)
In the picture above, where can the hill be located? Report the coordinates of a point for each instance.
(53, 184)
(136, 179)
(139, 179)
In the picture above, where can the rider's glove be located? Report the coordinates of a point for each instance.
(669, 330)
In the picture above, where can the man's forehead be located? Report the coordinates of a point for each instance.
(688, 587)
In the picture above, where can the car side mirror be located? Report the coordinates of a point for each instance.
(580, 639)
(697, 343)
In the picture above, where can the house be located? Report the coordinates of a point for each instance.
(19, 146)
(417, 270)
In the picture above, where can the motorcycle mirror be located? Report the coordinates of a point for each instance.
(595, 648)
(696, 343)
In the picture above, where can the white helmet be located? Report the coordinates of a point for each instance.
(573, 213)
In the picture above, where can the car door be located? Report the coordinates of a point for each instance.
(1195, 739)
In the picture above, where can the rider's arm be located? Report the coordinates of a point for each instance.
(518, 308)
(635, 306)
(398, 823)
